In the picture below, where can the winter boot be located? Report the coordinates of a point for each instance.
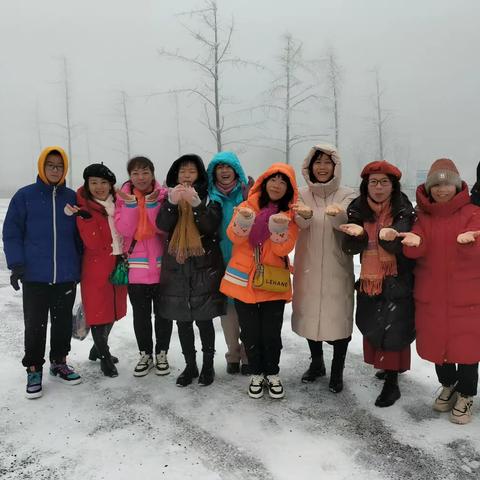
(446, 400)
(100, 338)
(462, 411)
(93, 355)
(233, 368)
(34, 382)
(315, 370)
(208, 372)
(107, 366)
(336, 374)
(190, 372)
(390, 392)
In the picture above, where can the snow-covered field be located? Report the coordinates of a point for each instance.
(126, 427)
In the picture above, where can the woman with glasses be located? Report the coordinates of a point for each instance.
(385, 309)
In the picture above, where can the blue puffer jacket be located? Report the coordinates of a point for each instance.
(38, 235)
(228, 203)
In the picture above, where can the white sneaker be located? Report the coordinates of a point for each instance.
(255, 389)
(161, 363)
(446, 400)
(144, 365)
(462, 411)
(275, 387)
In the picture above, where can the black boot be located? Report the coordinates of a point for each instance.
(189, 373)
(390, 392)
(336, 374)
(106, 362)
(315, 370)
(208, 373)
(93, 355)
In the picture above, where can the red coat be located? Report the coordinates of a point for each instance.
(447, 280)
(102, 301)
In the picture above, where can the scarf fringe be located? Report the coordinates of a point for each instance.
(371, 286)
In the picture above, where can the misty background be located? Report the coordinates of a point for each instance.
(108, 53)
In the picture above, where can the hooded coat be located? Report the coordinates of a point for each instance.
(230, 201)
(238, 280)
(103, 302)
(145, 261)
(323, 281)
(447, 280)
(37, 234)
(190, 291)
(385, 320)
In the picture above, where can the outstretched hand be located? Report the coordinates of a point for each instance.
(126, 197)
(303, 210)
(410, 239)
(351, 229)
(468, 237)
(334, 209)
(387, 234)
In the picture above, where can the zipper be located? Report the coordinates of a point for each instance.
(54, 195)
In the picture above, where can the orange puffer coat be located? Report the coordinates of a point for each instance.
(238, 279)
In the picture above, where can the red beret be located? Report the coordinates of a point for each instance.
(381, 166)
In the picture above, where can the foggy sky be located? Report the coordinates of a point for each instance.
(426, 52)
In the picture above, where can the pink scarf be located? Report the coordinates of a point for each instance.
(260, 232)
(226, 189)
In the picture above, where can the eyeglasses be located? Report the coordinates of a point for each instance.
(58, 168)
(384, 182)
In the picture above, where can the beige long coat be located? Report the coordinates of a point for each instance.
(323, 280)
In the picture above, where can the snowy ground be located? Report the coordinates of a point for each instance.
(128, 427)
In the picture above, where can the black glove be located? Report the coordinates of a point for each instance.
(17, 274)
(84, 214)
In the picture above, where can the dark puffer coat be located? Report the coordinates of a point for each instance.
(386, 320)
(190, 291)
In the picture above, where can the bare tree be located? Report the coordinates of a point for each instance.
(177, 121)
(289, 94)
(214, 40)
(380, 117)
(334, 77)
(68, 126)
(125, 123)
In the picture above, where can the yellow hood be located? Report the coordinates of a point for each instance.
(43, 157)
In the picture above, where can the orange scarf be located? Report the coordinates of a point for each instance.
(185, 241)
(377, 263)
(145, 229)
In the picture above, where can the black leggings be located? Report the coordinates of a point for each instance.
(339, 347)
(187, 337)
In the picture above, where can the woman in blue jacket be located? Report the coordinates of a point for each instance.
(43, 250)
(228, 185)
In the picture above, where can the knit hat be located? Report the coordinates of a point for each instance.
(443, 170)
(381, 166)
(101, 171)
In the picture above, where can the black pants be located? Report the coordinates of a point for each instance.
(261, 333)
(339, 347)
(187, 338)
(465, 375)
(40, 299)
(142, 297)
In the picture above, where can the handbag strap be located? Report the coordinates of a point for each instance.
(132, 246)
(257, 258)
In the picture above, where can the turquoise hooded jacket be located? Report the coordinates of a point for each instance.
(228, 202)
